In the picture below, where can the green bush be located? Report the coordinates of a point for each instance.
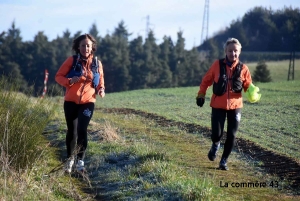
(261, 73)
(22, 121)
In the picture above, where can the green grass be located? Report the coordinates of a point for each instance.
(22, 120)
(278, 69)
(157, 163)
(130, 157)
(273, 123)
(25, 155)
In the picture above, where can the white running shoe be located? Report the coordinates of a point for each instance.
(69, 165)
(80, 165)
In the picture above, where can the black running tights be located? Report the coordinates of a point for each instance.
(77, 117)
(218, 117)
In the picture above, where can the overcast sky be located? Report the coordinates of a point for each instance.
(166, 17)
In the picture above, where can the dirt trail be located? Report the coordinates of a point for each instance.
(282, 166)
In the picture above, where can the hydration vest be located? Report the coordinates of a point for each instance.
(76, 69)
(220, 87)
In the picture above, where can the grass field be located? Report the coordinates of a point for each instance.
(131, 157)
(279, 69)
(272, 123)
(164, 163)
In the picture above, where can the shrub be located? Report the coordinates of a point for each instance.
(261, 73)
(22, 121)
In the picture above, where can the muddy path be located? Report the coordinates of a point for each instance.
(278, 165)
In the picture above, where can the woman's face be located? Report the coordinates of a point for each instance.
(233, 52)
(85, 47)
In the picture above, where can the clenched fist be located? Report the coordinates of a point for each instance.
(101, 92)
(200, 100)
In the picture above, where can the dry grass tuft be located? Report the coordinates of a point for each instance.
(105, 132)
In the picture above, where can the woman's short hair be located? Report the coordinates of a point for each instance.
(77, 41)
(232, 40)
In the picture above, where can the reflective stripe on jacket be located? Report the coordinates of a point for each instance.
(229, 100)
(82, 91)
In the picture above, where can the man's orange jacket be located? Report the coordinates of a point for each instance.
(83, 91)
(230, 100)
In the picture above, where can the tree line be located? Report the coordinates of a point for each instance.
(264, 34)
(128, 65)
(141, 63)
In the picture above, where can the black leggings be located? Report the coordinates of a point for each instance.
(218, 117)
(77, 117)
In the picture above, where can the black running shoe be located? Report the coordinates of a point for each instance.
(212, 154)
(223, 164)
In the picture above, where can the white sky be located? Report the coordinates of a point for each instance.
(166, 17)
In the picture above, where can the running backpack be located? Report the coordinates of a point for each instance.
(76, 69)
(220, 87)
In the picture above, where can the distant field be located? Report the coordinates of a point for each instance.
(278, 69)
(273, 123)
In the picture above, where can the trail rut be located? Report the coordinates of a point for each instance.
(281, 166)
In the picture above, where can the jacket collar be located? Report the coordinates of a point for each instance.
(231, 64)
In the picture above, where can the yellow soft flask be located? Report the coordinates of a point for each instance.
(252, 94)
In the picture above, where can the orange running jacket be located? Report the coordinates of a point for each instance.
(83, 91)
(229, 100)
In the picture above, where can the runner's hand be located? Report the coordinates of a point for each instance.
(101, 92)
(74, 80)
(200, 100)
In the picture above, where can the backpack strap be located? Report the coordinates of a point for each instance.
(96, 74)
(220, 87)
(240, 65)
(222, 67)
(75, 60)
(238, 69)
(95, 65)
(94, 69)
(74, 71)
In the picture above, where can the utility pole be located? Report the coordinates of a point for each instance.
(292, 43)
(147, 26)
(205, 22)
(291, 66)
